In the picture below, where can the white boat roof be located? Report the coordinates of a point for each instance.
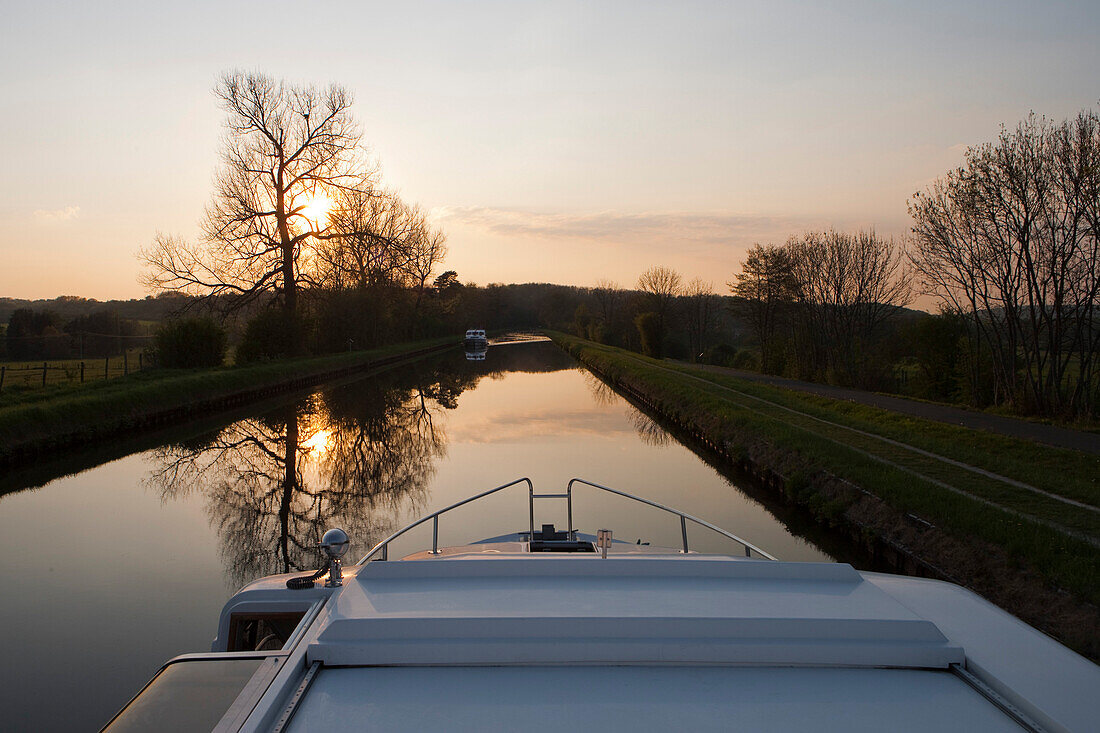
(474, 610)
(640, 642)
(643, 699)
(488, 637)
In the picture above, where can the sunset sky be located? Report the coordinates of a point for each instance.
(554, 142)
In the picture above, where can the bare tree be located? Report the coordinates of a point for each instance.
(287, 150)
(848, 286)
(701, 309)
(365, 248)
(1011, 240)
(426, 251)
(379, 241)
(765, 285)
(609, 299)
(609, 296)
(661, 285)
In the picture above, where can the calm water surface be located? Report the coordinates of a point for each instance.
(110, 571)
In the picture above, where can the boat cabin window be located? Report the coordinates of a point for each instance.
(187, 695)
(256, 632)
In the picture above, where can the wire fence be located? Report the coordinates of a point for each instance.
(29, 375)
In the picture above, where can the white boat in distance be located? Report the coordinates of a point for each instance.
(475, 339)
(548, 627)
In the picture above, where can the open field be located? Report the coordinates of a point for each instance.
(1081, 434)
(1039, 505)
(23, 375)
(41, 419)
(974, 459)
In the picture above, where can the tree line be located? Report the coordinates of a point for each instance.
(1007, 245)
(820, 305)
(47, 334)
(1010, 245)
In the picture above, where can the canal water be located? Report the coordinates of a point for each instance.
(114, 561)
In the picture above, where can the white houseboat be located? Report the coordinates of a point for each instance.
(475, 339)
(549, 628)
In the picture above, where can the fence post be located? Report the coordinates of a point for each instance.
(125, 364)
(82, 372)
(141, 365)
(106, 368)
(3, 369)
(43, 374)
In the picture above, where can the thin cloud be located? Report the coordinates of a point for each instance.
(617, 226)
(53, 215)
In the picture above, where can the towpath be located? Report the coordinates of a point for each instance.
(1039, 432)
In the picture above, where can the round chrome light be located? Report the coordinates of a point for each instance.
(335, 543)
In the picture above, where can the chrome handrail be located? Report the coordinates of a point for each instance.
(382, 548)
(434, 516)
(749, 547)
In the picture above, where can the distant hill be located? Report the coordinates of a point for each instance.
(150, 308)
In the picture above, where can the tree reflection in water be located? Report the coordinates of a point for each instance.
(650, 432)
(602, 393)
(357, 456)
(360, 456)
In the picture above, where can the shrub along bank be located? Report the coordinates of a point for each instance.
(42, 420)
(1017, 546)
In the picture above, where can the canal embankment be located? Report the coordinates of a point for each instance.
(51, 419)
(1084, 437)
(1016, 521)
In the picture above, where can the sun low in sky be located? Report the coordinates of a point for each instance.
(315, 210)
(558, 142)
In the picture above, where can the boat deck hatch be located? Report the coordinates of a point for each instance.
(551, 540)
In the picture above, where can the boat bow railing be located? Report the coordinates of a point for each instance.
(381, 550)
(684, 518)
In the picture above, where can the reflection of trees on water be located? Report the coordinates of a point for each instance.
(356, 457)
(603, 395)
(359, 456)
(650, 432)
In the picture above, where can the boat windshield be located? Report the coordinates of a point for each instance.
(187, 695)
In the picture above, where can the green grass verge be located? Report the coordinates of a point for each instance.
(1065, 559)
(1069, 473)
(23, 376)
(80, 413)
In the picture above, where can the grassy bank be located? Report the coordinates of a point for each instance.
(39, 420)
(920, 469)
(19, 376)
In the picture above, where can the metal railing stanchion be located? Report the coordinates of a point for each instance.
(569, 510)
(531, 511)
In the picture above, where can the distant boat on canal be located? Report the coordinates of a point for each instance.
(475, 340)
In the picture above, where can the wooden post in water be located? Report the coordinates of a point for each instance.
(106, 368)
(43, 374)
(82, 372)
